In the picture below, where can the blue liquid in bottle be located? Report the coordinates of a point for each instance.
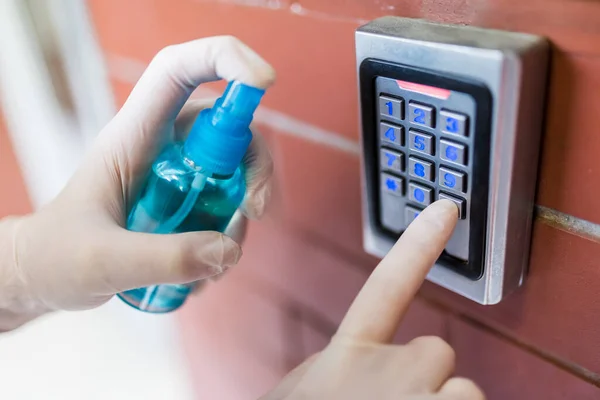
(196, 185)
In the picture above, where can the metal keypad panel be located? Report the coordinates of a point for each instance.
(425, 144)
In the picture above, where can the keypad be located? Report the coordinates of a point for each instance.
(424, 152)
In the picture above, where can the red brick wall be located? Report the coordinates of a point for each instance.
(14, 199)
(303, 266)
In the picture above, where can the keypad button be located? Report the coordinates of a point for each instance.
(420, 168)
(453, 123)
(459, 202)
(391, 134)
(390, 107)
(392, 160)
(421, 142)
(420, 194)
(410, 214)
(453, 152)
(452, 180)
(421, 114)
(392, 184)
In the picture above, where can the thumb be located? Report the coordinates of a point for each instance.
(133, 259)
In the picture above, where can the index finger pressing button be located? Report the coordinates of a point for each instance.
(376, 312)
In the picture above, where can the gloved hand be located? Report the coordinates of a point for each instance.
(360, 362)
(75, 253)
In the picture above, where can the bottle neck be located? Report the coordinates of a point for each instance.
(198, 168)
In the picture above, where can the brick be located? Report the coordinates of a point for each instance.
(320, 190)
(571, 25)
(357, 9)
(504, 371)
(324, 66)
(315, 338)
(218, 372)
(306, 273)
(421, 319)
(566, 168)
(325, 285)
(557, 309)
(14, 199)
(250, 317)
(236, 342)
(569, 162)
(121, 91)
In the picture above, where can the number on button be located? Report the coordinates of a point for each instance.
(390, 107)
(451, 125)
(391, 184)
(419, 195)
(391, 158)
(390, 134)
(419, 117)
(449, 180)
(419, 143)
(419, 170)
(451, 153)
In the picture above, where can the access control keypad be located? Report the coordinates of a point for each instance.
(425, 148)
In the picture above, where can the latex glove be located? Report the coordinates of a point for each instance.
(360, 362)
(75, 253)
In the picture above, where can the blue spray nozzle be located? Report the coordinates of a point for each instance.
(238, 103)
(221, 135)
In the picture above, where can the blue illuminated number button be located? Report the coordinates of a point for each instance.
(410, 214)
(392, 160)
(392, 184)
(453, 152)
(421, 114)
(420, 168)
(392, 134)
(390, 107)
(452, 180)
(453, 123)
(421, 142)
(420, 194)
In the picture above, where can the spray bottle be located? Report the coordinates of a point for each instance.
(196, 185)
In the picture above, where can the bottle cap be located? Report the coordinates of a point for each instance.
(221, 135)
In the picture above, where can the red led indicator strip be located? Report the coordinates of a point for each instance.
(423, 89)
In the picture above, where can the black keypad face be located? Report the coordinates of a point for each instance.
(425, 141)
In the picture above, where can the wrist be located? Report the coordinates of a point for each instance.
(18, 305)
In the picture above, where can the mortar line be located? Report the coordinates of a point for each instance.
(504, 335)
(128, 70)
(568, 223)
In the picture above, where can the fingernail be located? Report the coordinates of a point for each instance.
(447, 207)
(443, 212)
(220, 253)
(232, 252)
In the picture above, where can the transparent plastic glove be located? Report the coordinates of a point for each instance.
(75, 253)
(360, 362)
